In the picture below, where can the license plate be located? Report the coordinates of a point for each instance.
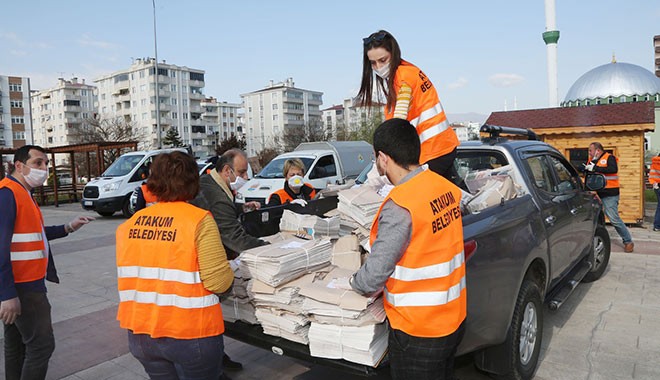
(88, 203)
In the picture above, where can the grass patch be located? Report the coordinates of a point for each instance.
(649, 196)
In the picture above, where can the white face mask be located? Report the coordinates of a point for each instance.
(36, 177)
(383, 175)
(240, 181)
(296, 182)
(384, 71)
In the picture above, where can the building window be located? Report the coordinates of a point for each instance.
(646, 98)
(173, 87)
(16, 104)
(175, 115)
(141, 73)
(144, 116)
(83, 92)
(17, 120)
(19, 135)
(622, 99)
(577, 104)
(143, 88)
(102, 96)
(14, 87)
(274, 106)
(275, 117)
(634, 98)
(173, 101)
(173, 74)
(197, 76)
(143, 102)
(610, 100)
(587, 102)
(185, 115)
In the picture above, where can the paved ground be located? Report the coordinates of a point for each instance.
(609, 329)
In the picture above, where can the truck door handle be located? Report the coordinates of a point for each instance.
(574, 211)
(550, 220)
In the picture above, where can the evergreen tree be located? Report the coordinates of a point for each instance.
(172, 138)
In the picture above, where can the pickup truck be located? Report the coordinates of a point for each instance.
(522, 252)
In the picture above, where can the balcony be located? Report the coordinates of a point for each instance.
(197, 95)
(197, 135)
(72, 109)
(196, 83)
(292, 99)
(294, 123)
(195, 109)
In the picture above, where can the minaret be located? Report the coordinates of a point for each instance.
(551, 36)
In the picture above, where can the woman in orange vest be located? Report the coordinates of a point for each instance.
(417, 256)
(294, 190)
(170, 265)
(654, 179)
(411, 96)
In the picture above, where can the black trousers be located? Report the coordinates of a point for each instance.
(418, 358)
(444, 165)
(29, 342)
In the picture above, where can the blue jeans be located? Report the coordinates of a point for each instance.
(656, 221)
(184, 359)
(29, 342)
(611, 205)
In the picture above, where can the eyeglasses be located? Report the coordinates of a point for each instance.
(376, 37)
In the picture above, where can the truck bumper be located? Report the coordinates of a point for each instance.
(103, 205)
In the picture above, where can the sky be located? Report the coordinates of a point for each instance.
(481, 55)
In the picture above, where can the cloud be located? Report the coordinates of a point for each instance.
(460, 83)
(18, 53)
(505, 80)
(17, 41)
(86, 40)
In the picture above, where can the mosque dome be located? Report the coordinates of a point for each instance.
(615, 80)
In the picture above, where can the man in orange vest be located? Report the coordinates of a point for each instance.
(25, 261)
(606, 164)
(654, 179)
(417, 256)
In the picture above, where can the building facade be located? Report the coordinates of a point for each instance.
(130, 95)
(656, 53)
(221, 119)
(349, 117)
(15, 116)
(273, 109)
(61, 113)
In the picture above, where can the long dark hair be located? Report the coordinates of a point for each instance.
(384, 39)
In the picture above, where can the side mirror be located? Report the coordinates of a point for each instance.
(595, 181)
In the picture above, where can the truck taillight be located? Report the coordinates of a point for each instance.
(469, 247)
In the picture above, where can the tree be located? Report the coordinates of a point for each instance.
(230, 143)
(266, 155)
(172, 138)
(98, 129)
(366, 128)
(312, 131)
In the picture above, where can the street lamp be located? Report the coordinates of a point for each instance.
(160, 145)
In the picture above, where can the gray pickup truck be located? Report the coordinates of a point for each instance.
(529, 241)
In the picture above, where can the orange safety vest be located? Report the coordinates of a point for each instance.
(612, 178)
(425, 113)
(654, 174)
(149, 198)
(28, 248)
(286, 198)
(425, 296)
(160, 290)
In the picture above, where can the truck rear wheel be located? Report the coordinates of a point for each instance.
(126, 209)
(601, 249)
(525, 333)
(105, 213)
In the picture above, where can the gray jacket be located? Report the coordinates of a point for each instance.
(215, 196)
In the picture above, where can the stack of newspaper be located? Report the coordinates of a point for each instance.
(360, 204)
(346, 253)
(365, 345)
(310, 225)
(285, 324)
(286, 260)
(237, 305)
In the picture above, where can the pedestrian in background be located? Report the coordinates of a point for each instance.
(606, 164)
(419, 262)
(170, 266)
(25, 261)
(654, 179)
(409, 95)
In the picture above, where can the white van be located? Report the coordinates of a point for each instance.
(111, 191)
(326, 162)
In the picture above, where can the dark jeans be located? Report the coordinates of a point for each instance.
(656, 221)
(185, 359)
(444, 165)
(417, 358)
(29, 342)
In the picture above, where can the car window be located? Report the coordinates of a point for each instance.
(541, 173)
(568, 179)
(325, 167)
(122, 166)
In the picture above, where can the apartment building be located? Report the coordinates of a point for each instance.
(656, 53)
(221, 119)
(60, 113)
(350, 116)
(15, 117)
(131, 96)
(274, 108)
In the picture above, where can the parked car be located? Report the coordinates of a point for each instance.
(524, 250)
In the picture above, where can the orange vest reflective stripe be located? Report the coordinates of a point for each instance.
(29, 259)
(160, 289)
(425, 296)
(654, 174)
(612, 178)
(286, 198)
(425, 113)
(149, 197)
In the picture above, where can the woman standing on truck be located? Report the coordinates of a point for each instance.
(295, 190)
(411, 96)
